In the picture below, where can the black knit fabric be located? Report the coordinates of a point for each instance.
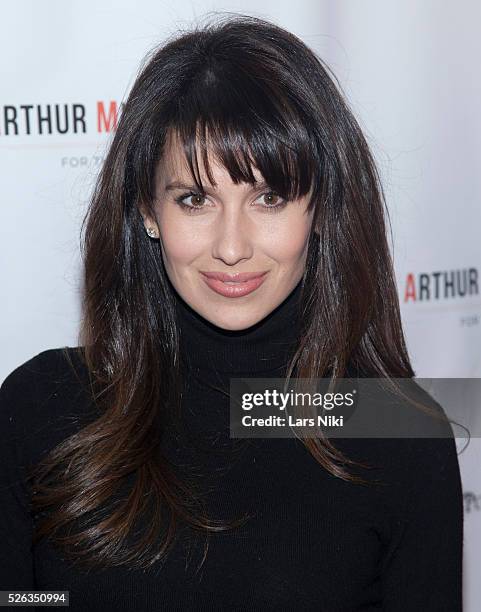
(210, 357)
(261, 350)
(312, 542)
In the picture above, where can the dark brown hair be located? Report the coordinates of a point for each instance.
(266, 100)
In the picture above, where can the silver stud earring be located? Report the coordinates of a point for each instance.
(151, 232)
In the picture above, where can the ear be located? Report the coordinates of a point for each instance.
(150, 223)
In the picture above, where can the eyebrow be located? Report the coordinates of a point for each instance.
(179, 185)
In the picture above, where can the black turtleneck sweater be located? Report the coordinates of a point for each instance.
(313, 542)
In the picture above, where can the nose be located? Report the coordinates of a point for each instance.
(233, 237)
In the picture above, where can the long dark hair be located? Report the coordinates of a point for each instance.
(254, 95)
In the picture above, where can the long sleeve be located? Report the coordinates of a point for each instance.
(423, 569)
(16, 560)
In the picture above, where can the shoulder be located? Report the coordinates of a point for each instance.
(432, 459)
(46, 364)
(420, 448)
(44, 399)
(47, 371)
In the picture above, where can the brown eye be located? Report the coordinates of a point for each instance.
(271, 198)
(272, 202)
(197, 199)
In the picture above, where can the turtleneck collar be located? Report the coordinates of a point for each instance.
(262, 350)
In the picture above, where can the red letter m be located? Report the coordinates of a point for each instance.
(106, 123)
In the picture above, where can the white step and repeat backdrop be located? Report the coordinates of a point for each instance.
(411, 72)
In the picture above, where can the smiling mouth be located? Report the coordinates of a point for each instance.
(233, 286)
(240, 277)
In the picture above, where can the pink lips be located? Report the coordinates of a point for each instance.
(243, 283)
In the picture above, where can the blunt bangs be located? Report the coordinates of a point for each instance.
(243, 122)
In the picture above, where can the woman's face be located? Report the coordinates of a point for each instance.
(230, 231)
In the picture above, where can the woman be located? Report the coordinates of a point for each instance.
(236, 230)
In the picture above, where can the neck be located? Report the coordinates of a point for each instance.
(262, 350)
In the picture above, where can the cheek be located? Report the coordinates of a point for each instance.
(180, 242)
(287, 242)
